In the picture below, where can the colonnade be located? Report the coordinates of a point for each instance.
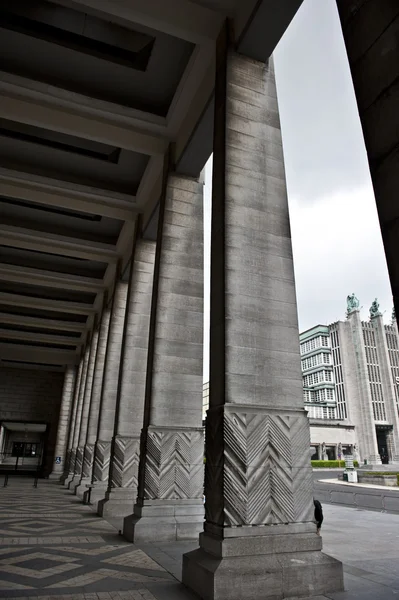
(135, 429)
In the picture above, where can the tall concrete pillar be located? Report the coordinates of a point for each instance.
(94, 410)
(123, 475)
(370, 31)
(78, 416)
(63, 423)
(85, 410)
(70, 455)
(259, 539)
(105, 431)
(169, 504)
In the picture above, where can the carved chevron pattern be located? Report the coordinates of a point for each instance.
(71, 462)
(125, 462)
(88, 457)
(102, 458)
(79, 461)
(258, 463)
(174, 464)
(259, 480)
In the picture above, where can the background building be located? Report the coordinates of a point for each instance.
(350, 387)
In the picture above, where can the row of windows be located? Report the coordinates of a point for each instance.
(341, 401)
(323, 395)
(321, 341)
(323, 358)
(392, 341)
(317, 377)
(321, 412)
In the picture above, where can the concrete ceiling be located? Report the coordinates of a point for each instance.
(93, 93)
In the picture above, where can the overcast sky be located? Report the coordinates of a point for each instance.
(335, 232)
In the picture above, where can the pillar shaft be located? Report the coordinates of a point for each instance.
(258, 478)
(370, 31)
(86, 405)
(70, 455)
(170, 492)
(123, 478)
(78, 416)
(63, 423)
(105, 430)
(94, 409)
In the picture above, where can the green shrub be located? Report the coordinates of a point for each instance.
(331, 464)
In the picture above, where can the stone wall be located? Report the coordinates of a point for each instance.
(33, 396)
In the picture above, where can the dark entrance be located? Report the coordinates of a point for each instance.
(26, 449)
(382, 441)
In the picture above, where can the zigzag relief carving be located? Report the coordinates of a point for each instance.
(174, 464)
(102, 459)
(259, 488)
(72, 458)
(88, 457)
(262, 455)
(214, 504)
(79, 460)
(125, 462)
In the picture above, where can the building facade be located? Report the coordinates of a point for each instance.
(350, 386)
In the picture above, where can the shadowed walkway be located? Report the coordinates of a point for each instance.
(52, 546)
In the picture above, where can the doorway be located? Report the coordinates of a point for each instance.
(26, 449)
(382, 442)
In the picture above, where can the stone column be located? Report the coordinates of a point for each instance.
(123, 476)
(82, 388)
(370, 31)
(85, 411)
(259, 539)
(102, 451)
(170, 494)
(63, 423)
(94, 411)
(70, 455)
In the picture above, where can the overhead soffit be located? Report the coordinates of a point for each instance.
(48, 33)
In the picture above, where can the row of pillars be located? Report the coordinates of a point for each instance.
(135, 429)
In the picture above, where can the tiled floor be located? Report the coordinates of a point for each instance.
(54, 547)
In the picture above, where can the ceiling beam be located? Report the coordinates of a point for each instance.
(54, 118)
(52, 279)
(180, 18)
(64, 306)
(40, 92)
(46, 338)
(22, 320)
(60, 194)
(31, 239)
(51, 356)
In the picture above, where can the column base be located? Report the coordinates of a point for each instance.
(374, 459)
(118, 502)
(164, 521)
(68, 479)
(81, 488)
(98, 492)
(285, 563)
(74, 482)
(54, 475)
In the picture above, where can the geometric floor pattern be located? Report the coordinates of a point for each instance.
(54, 547)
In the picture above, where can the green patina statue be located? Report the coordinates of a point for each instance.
(375, 309)
(352, 303)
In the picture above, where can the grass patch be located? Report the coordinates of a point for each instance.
(331, 464)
